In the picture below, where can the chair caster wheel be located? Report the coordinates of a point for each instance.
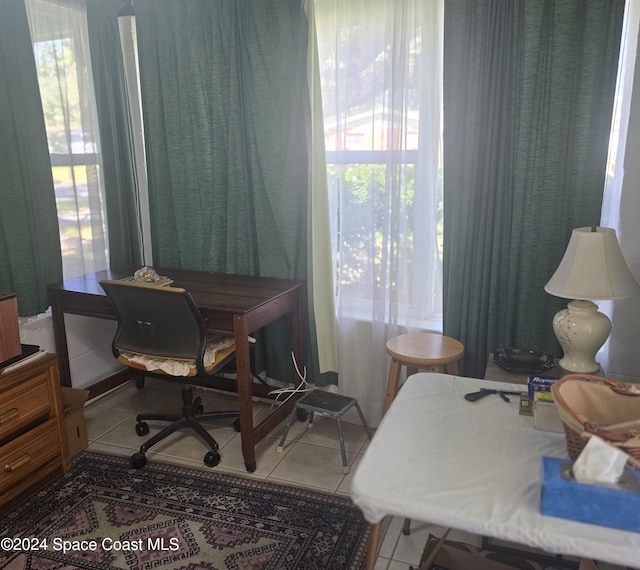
(138, 460)
(142, 428)
(212, 458)
(236, 424)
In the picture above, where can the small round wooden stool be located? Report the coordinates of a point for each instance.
(429, 352)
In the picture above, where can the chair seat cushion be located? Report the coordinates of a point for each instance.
(217, 350)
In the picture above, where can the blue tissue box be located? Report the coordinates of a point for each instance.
(565, 498)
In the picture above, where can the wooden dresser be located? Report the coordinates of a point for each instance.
(32, 435)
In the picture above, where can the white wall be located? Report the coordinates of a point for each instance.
(89, 343)
(624, 343)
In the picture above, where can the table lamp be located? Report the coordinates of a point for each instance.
(592, 269)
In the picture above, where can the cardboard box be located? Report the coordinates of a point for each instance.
(604, 505)
(546, 417)
(540, 384)
(449, 555)
(73, 400)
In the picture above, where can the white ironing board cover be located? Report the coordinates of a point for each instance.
(473, 466)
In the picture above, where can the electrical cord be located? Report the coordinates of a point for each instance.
(292, 391)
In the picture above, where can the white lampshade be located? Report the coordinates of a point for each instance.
(593, 268)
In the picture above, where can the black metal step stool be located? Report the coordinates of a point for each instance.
(328, 404)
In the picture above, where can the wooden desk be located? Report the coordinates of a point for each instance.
(236, 304)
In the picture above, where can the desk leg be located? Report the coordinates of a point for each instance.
(372, 551)
(242, 325)
(244, 392)
(60, 338)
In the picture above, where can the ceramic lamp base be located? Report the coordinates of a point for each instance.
(581, 330)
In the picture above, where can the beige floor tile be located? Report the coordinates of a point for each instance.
(220, 422)
(101, 420)
(124, 434)
(187, 445)
(155, 400)
(170, 401)
(314, 465)
(345, 486)
(392, 528)
(215, 403)
(266, 456)
(195, 463)
(128, 398)
(296, 428)
(111, 449)
(324, 431)
(396, 565)
(409, 548)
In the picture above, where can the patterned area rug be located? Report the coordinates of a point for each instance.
(102, 514)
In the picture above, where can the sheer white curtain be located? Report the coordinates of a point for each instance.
(611, 357)
(61, 48)
(381, 77)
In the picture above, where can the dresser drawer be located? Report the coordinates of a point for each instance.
(26, 454)
(22, 404)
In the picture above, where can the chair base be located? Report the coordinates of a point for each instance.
(191, 416)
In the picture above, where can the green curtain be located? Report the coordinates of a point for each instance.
(116, 141)
(225, 104)
(30, 244)
(528, 91)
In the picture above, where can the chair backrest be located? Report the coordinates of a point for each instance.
(156, 320)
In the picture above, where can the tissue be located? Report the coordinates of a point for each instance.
(599, 463)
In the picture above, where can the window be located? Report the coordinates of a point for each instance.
(381, 85)
(61, 49)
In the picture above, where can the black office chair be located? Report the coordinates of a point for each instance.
(161, 333)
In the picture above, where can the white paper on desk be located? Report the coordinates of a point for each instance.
(599, 462)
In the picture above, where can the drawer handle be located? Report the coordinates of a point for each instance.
(12, 414)
(9, 467)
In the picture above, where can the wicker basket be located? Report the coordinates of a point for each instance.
(589, 405)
